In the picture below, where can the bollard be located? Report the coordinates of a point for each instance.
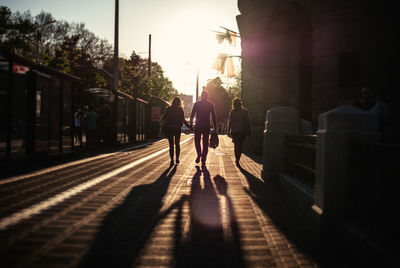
(337, 130)
(280, 121)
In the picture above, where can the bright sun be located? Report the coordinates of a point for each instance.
(187, 44)
(191, 39)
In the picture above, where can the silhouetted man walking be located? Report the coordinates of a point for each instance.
(202, 109)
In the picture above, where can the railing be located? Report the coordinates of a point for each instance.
(300, 158)
(375, 190)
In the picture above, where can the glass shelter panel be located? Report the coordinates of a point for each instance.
(120, 119)
(3, 107)
(42, 114)
(19, 115)
(55, 116)
(79, 111)
(67, 117)
(127, 119)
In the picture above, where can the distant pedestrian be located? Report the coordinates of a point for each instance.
(202, 110)
(174, 118)
(239, 126)
(91, 119)
(382, 109)
(78, 127)
(367, 100)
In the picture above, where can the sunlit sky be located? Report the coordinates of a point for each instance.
(182, 37)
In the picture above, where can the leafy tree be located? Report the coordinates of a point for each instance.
(17, 32)
(19, 36)
(134, 79)
(220, 97)
(235, 90)
(71, 48)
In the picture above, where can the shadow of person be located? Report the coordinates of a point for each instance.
(206, 244)
(126, 228)
(232, 237)
(284, 212)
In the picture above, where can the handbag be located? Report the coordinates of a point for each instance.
(214, 140)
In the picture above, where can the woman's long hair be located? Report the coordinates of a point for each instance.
(177, 102)
(237, 104)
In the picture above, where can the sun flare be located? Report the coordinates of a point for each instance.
(189, 44)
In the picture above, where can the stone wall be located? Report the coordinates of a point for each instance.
(315, 55)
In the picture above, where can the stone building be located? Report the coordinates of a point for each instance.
(316, 55)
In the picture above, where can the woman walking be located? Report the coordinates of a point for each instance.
(174, 118)
(239, 127)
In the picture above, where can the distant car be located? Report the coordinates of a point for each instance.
(185, 130)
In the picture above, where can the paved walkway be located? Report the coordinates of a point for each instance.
(139, 212)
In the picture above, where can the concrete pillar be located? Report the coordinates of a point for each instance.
(338, 129)
(279, 122)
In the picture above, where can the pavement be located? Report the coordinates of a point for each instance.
(130, 208)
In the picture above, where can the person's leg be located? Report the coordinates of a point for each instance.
(206, 136)
(171, 147)
(238, 140)
(178, 146)
(197, 137)
(235, 139)
(79, 135)
(89, 138)
(75, 134)
(95, 138)
(240, 146)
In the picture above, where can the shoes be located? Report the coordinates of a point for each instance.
(171, 163)
(198, 159)
(177, 162)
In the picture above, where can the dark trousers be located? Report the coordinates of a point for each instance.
(198, 133)
(238, 139)
(78, 134)
(91, 138)
(174, 137)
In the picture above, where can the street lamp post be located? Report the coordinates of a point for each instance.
(116, 70)
(197, 85)
(39, 36)
(116, 27)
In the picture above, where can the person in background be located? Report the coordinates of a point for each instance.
(91, 119)
(382, 109)
(368, 99)
(78, 127)
(174, 118)
(239, 126)
(371, 100)
(202, 110)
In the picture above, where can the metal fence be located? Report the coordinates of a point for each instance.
(300, 156)
(375, 191)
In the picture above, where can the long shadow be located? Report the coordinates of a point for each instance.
(233, 246)
(127, 227)
(206, 244)
(283, 212)
(15, 167)
(255, 157)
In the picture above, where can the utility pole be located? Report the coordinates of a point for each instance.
(149, 55)
(38, 37)
(116, 69)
